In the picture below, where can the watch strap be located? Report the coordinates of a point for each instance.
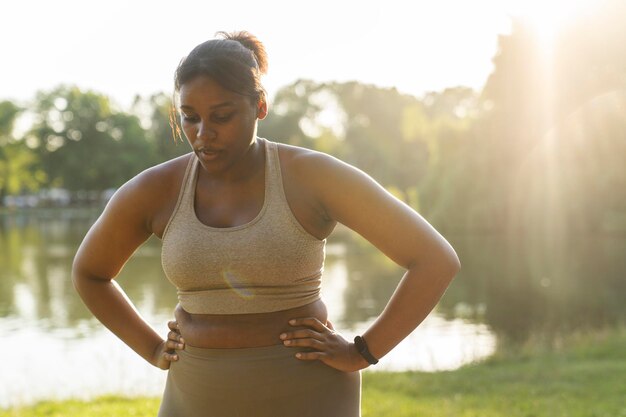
(363, 350)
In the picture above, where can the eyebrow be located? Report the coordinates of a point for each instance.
(215, 106)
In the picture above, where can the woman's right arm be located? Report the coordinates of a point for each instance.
(123, 226)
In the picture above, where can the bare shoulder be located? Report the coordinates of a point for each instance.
(350, 196)
(136, 211)
(151, 194)
(156, 180)
(322, 174)
(314, 167)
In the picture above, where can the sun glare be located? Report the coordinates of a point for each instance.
(546, 18)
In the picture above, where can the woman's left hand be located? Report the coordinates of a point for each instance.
(328, 345)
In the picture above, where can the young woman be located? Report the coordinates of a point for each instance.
(244, 222)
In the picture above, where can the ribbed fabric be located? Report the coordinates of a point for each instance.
(269, 264)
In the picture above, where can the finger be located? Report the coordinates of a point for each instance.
(312, 343)
(175, 336)
(302, 333)
(330, 325)
(172, 345)
(173, 325)
(309, 322)
(170, 357)
(310, 356)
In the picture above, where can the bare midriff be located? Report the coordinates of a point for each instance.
(243, 330)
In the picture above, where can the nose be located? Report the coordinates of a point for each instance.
(205, 133)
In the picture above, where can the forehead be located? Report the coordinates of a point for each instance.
(203, 91)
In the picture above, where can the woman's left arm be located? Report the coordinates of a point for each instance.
(354, 199)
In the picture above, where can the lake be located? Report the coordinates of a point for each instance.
(54, 348)
(58, 350)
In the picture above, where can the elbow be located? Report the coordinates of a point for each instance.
(455, 263)
(447, 269)
(444, 266)
(79, 277)
(76, 276)
(83, 276)
(451, 263)
(455, 267)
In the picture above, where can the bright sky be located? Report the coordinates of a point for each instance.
(127, 47)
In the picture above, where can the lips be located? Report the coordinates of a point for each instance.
(208, 154)
(207, 149)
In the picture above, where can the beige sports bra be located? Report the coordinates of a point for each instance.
(268, 264)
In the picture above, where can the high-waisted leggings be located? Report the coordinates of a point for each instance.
(257, 382)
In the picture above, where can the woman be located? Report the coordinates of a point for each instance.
(244, 222)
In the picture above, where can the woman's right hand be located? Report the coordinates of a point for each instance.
(165, 353)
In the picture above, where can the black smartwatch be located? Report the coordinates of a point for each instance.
(361, 347)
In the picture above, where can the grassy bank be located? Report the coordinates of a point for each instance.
(579, 376)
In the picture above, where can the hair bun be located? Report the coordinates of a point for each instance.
(252, 43)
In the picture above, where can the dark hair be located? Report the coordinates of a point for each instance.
(235, 61)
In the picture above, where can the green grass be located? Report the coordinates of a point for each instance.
(109, 406)
(583, 375)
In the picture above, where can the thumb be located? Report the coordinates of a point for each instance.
(329, 324)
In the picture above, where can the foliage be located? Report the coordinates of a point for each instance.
(540, 97)
(18, 169)
(394, 137)
(468, 160)
(78, 141)
(83, 144)
(18, 163)
(8, 113)
(156, 110)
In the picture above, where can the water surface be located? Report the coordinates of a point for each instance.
(58, 350)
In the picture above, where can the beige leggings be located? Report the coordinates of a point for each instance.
(257, 382)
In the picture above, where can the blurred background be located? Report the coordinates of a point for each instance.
(502, 123)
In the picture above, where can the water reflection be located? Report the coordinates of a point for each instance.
(512, 285)
(36, 253)
(521, 290)
(64, 352)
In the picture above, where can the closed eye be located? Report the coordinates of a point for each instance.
(223, 118)
(190, 118)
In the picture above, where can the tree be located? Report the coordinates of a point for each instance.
(158, 116)
(18, 164)
(362, 124)
(84, 144)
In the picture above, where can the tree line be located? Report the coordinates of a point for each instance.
(542, 144)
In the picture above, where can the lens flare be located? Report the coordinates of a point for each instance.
(237, 285)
